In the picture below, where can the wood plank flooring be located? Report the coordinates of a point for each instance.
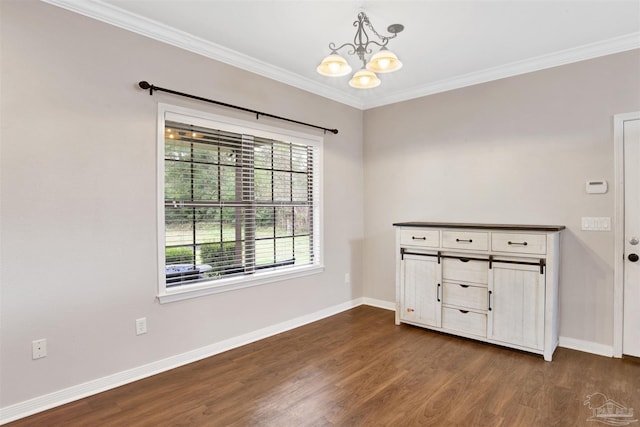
(358, 369)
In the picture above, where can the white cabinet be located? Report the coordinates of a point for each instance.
(419, 237)
(464, 296)
(495, 283)
(420, 301)
(454, 239)
(516, 313)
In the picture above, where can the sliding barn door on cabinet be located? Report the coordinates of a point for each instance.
(516, 305)
(420, 299)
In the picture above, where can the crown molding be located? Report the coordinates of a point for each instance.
(109, 14)
(115, 16)
(563, 57)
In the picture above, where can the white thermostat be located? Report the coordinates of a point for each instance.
(596, 187)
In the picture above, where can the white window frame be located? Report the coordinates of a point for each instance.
(186, 115)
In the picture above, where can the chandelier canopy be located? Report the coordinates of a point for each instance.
(384, 61)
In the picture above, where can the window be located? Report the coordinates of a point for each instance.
(239, 204)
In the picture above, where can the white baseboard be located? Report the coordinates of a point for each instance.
(48, 401)
(586, 346)
(387, 305)
(60, 397)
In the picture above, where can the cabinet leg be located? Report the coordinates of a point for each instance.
(548, 355)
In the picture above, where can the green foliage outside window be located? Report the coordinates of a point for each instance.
(179, 255)
(220, 256)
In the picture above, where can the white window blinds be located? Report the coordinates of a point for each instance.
(235, 204)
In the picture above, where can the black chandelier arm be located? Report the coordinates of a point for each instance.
(358, 38)
(357, 49)
(335, 49)
(361, 41)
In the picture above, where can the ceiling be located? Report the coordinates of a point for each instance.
(445, 44)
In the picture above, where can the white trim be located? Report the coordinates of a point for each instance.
(135, 23)
(60, 397)
(555, 59)
(586, 346)
(200, 118)
(80, 391)
(618, 259)
(155, 30)
(387, 305)
(224, 285)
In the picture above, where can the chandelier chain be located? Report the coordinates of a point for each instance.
(385, 39)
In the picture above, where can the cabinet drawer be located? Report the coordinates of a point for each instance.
(420, 237)
(462, 270)
(474, 297)
(464, 321)
(519, 243)
(465, 240)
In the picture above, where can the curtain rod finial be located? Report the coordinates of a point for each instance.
(144, 84)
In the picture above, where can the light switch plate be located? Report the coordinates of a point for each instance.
(596, 223)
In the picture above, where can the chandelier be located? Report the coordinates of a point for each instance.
(384, 61)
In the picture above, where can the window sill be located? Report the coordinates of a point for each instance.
(226, 285)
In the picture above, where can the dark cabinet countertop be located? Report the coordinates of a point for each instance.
(512, 227)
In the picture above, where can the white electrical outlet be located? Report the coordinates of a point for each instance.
(39, 349)
(347, 278)
(141, 326)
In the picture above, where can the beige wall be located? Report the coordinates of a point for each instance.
(78, 185)
(78, 208)
(517, 150)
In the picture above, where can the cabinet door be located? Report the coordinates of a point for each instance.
(421, 293)
(516, 311)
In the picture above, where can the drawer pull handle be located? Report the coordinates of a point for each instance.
(410, 310)
(463, 311)
(517, 243)
(424, 238)
(438, 292)
(463, 286)
(463, 259)
(490, 293)
(464, 240)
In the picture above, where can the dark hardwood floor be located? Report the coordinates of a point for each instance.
(358, 369)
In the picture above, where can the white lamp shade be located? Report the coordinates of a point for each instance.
(334, 65)
(364, 79)
(384, 61)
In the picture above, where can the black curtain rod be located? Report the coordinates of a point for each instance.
(146, 85)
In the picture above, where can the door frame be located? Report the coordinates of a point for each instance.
(618, 265)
